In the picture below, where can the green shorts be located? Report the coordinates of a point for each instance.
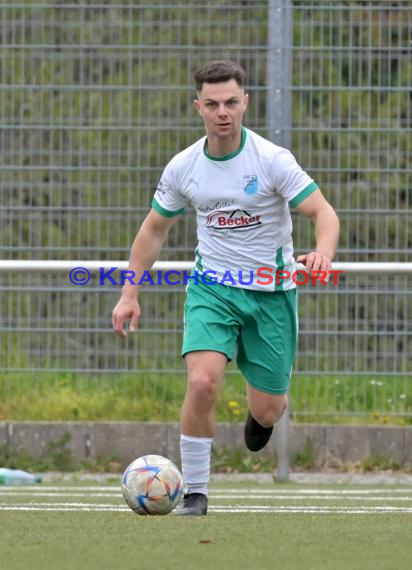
(259, 328)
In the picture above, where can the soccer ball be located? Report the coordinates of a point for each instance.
(152, 485)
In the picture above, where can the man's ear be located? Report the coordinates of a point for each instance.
(246, 100)
(196, 104)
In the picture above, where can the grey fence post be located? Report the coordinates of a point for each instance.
(278, 113)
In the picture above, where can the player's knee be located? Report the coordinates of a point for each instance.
(203, 388)
(267, 416)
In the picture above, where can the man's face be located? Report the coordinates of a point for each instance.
(222, 106)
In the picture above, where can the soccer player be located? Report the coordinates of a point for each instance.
(242, 188)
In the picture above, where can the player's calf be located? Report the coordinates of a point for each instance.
(256, 435)
(260, 422)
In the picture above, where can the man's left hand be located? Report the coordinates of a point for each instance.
(316, 261)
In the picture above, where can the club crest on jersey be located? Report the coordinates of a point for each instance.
(250, 184)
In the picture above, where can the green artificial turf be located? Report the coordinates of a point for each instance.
(258, 541)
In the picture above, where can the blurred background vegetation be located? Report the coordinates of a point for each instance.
(94, 101)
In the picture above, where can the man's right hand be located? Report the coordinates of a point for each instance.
(127, 308)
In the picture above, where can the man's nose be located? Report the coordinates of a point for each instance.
(222, 109)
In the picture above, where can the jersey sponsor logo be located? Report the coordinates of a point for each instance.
(216, 205)
(250, 184)
(239, 220)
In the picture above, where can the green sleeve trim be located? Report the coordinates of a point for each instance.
(166, 213)
(303, 195)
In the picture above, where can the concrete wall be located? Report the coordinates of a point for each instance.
(124, 441)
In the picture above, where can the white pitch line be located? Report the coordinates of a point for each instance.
(314, 508)
(216, 509)
(107, 508)
(28, 493)
(77, 505)
(227, 507)
(245, 496)
(40, 488)
(318, 491)
(309, 497)
(214, 491)
(320, 511)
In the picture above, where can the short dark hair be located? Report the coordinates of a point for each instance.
(218, 71)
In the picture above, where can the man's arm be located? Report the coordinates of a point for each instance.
(145, 251)
(326, 222)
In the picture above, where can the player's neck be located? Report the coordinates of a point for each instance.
(218, 147)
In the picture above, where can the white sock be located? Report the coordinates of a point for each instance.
(195, 454)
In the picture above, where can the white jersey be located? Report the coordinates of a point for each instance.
(242, 205)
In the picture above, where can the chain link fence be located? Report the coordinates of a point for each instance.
(95, 98)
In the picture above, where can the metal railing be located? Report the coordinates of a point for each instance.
(95, 98)
(343, 350)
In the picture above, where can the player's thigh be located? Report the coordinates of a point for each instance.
(205, 367)
(267, 341)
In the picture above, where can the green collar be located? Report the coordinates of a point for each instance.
(231, 154)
